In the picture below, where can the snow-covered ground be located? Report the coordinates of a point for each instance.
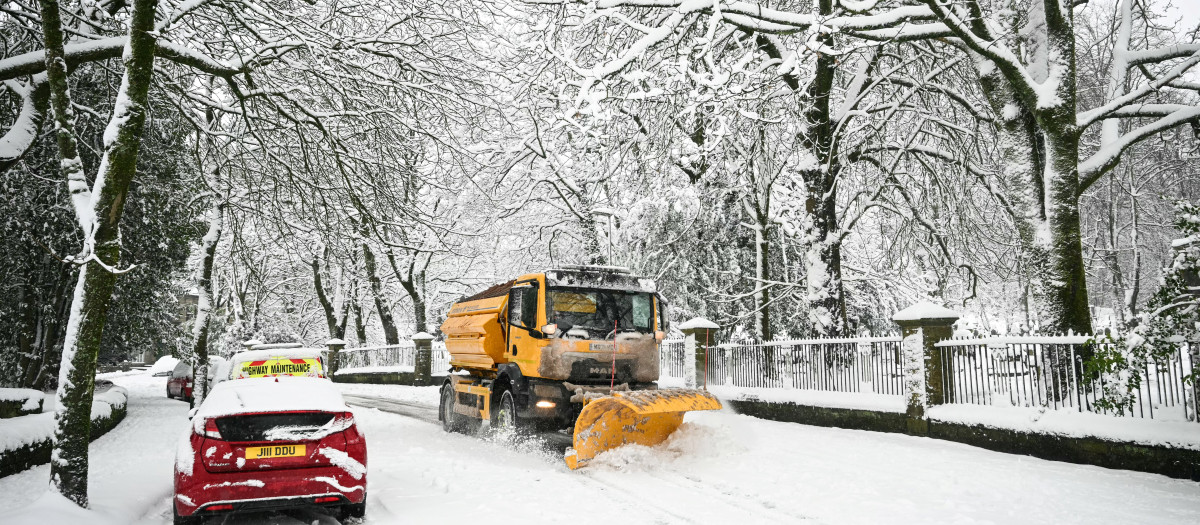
(719, 468)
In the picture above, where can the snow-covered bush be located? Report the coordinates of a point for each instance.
(1169, 325)
(1172, 317)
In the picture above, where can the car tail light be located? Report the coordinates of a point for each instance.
(327, 499)
(207, 427)
(220, 507)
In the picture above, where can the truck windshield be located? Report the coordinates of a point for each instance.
(596, 310)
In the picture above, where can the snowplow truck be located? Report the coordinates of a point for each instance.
(573, 347)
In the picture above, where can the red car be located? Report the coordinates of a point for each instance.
(271, 443)
(179, 385)
(181, 382)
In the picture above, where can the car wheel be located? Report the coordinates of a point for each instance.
(506, 420)
(169, 396)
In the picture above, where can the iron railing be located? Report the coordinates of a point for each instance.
(1061, 373)
(401, 356)
(864, 364)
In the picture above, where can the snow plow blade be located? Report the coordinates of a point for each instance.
(645, 417)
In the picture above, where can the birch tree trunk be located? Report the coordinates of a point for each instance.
(93, 290)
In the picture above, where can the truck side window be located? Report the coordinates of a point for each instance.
(529, 307)
(643, 316)
(522, 306)
(515, 303)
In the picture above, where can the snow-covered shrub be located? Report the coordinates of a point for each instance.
(1169, 325)
(1172, 317)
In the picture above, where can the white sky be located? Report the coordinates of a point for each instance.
(1188, 11)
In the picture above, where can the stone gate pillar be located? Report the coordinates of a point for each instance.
(927, 381)
(423, 360)
(331, 363)
(698, 335)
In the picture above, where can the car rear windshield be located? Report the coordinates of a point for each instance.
(292, 426)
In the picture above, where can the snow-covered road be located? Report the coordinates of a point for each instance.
(719, 468)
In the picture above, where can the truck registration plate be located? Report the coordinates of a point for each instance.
(278, 451)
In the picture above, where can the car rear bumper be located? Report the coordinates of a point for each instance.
(265, 489)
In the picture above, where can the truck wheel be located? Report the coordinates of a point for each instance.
(451, 421)
(506, 415)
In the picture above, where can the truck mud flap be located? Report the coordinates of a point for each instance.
(644, 417)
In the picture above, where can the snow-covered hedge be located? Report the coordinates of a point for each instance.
(25, 441)
(16, 402)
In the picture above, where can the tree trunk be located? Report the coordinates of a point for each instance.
(64, 117)
(1066, 300)
(390, 334)
(326, 305)
(360, 327)
(93, 291)
(204, 304)
(413, 283)
(823, 258)
(762, 269)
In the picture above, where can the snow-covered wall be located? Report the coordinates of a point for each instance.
(26, 441)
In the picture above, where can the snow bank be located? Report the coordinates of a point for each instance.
(52, 507)
(1039, 420)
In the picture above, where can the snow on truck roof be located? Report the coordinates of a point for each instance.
(271, 394)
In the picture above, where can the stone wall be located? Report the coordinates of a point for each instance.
(388, 378)
(1173, 462)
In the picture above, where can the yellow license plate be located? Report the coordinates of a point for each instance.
(278, 451)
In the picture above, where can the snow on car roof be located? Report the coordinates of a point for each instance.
(272, 394)
(270, 353)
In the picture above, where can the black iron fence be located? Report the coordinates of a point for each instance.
(867, 364)
(1072, 372)
(401, 356)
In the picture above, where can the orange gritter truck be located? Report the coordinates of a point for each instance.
(572, 347)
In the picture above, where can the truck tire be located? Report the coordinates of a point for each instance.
(451, 421)
(506, 419)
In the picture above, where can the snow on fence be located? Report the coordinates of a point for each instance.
(389, 358)
(1056, 372)
(859, 364)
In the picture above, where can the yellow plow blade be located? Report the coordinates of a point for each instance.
(645, 417)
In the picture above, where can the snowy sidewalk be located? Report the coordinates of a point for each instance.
(131, 467)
